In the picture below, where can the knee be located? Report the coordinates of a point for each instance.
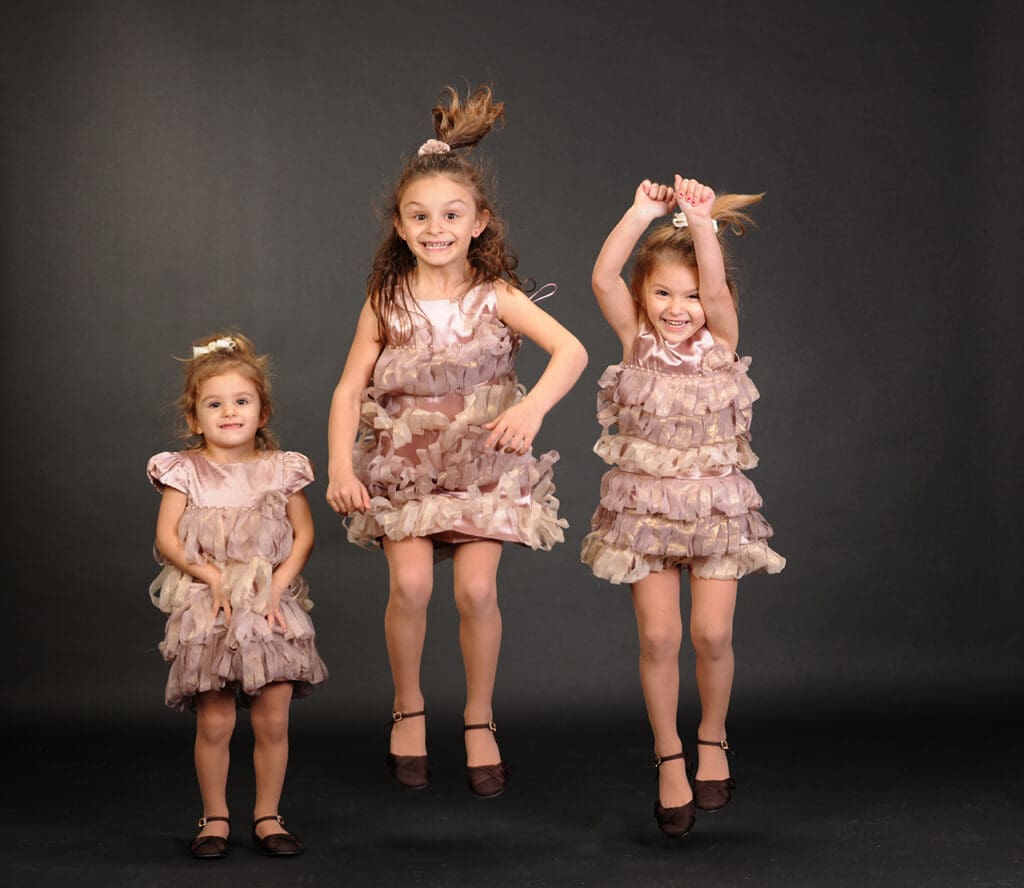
(411, 589)
(215, 725)
(476, 596)
(660, 642)
(711, 641)
(270, 723)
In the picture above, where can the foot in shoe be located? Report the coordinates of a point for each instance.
(211, 841)
(481, 748)
(408, 736)
(712, 761)
(673, 787)
(273, 838)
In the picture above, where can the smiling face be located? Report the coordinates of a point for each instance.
(228, 413)
(438, 218)
(671, 299)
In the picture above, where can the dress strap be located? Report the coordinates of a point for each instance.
(549, 289)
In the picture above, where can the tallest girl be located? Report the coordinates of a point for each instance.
(430, 432)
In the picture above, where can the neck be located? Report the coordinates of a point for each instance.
(242, 453)
(440, 283)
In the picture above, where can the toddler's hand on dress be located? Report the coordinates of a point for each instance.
(348, 495)
(514, 430)
(274, 616)
(221, 599)
(652, 200)
(695, 199)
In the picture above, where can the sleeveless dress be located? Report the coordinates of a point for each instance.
(676, 421)
(420, 446)
(236, 519)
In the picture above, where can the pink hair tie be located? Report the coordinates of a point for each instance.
(433, 146)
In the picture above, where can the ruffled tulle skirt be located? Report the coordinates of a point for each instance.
(430, 475)
(244, 653)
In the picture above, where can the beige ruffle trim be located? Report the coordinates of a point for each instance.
(619, 564)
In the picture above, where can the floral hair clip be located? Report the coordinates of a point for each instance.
(215, 345)
(679, 220)
(433, 146)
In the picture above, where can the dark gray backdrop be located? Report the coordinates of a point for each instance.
(173, 168)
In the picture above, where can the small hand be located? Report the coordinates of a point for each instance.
(274, 615)
(348, 495)
(221, 600)
(652, 199)
(514, 430)
(695, 199)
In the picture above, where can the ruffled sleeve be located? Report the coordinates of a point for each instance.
(168, 470)
(297, 472)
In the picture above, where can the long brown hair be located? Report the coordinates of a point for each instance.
(227, 351)
(671, 244)
(461, 125)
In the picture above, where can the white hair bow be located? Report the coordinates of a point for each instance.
(216, 345)
(679, 220)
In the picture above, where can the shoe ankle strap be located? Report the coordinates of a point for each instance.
(721, 744)
(213, 817)
(491, 726)
(397, 716)
(658, 759)
(276, 817)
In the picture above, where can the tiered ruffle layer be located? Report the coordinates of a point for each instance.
(677, 495)
(420, 449)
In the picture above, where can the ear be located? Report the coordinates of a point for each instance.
(193, 425)
(481, 223)
(399, 228)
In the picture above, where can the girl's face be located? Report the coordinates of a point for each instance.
(228, 415)
(438, 219)
(671, 299)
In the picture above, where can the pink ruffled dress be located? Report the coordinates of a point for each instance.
(676, 424)
(420, 448)
(235, 518)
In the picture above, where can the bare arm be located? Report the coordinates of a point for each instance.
(345, 493)
(696, 201)
(285, 573)
(172, 507)
(516, 428)
(650, 201)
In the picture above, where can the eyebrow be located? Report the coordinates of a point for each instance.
(416, 205)
(246, 392)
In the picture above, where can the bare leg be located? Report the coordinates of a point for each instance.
(269, 713)
(411, 570)
(711, 616)
(660, 628)
(476, 596)
(215, 723)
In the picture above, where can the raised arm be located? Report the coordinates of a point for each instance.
(345, 493)
(650, 201)
(516, 428)
(696, 202)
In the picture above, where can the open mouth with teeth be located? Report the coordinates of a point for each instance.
(437, 245)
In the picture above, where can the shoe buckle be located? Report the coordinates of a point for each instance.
(397, 716)
(657, 762)
(492, 727)
(725, 745)
(202, 822)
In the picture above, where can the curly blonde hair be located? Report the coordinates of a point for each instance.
(241, 357)
(460, 124)
(666, 243)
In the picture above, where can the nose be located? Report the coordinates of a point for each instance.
(678, 304)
